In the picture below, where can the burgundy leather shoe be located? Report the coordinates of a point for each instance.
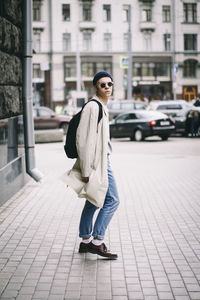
(83, 248)
(101, 250)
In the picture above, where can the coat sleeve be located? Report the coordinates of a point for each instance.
(86, 137)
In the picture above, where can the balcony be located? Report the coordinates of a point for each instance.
(150, 26)
(87, 25)
(39, 25)
(86, 1)
(147, 1)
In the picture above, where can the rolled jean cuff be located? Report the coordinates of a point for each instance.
(99, 237)
(86, 236)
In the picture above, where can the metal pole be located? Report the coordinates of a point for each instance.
(78, 65)
(129, 79)
(27, 93)
(51, 53)
(174, 69)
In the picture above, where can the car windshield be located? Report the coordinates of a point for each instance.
(122, 118)
(169, 106)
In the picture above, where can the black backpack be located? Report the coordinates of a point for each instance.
(70, 143)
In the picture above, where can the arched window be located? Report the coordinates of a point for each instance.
(190, 68)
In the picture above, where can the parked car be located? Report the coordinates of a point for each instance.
(182, 120)
(169, 107)
(139, 124)
(196, 102)
(46, 118)
(116, 107)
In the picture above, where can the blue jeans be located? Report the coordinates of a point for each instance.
(105, 214)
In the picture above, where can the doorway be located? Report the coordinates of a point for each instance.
(189, 93)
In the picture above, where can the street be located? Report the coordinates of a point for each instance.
(156, 230)
(141, 59)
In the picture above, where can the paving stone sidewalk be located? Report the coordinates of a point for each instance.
(156, 232)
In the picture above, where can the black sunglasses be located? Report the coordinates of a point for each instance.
(103, 85)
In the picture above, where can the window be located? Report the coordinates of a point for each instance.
(162, 69)
(146, 15)
(125, 13)
(190, 12)
(150, 69)
(87, 41)
(90, 68)
(66, 41)
(36, 11)
(104, 66)
(166, 14)
(125, 41)
(37, 71)
(70, 69)
(130, 117)
(147, 39)
(190, 42)
(190, 68)
(169, 106)
(107, 41)
(36, 41)
(66, 12)
(121, 119)
(137, 69)
(87, 69)
(147, 69)
(87, 12)
(167, 41)
(107, 12)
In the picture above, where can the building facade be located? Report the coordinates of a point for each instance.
(12, 152)
(73, 39)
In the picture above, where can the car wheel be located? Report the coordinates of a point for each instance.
(64, 126)
(138, 136)
(164, 137)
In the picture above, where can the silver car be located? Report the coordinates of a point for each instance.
(116, 107)
(169, 107)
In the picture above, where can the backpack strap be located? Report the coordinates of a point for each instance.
(100, 110)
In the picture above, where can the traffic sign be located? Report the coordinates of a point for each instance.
(124, 62)
(175, 68)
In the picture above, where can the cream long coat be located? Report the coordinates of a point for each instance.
(92, 148)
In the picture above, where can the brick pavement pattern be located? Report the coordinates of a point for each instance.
(156, 230)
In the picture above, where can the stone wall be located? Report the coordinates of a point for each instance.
(12, 154)
(10, 58)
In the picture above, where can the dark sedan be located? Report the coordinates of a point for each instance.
(45, 118)
(139, 124)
